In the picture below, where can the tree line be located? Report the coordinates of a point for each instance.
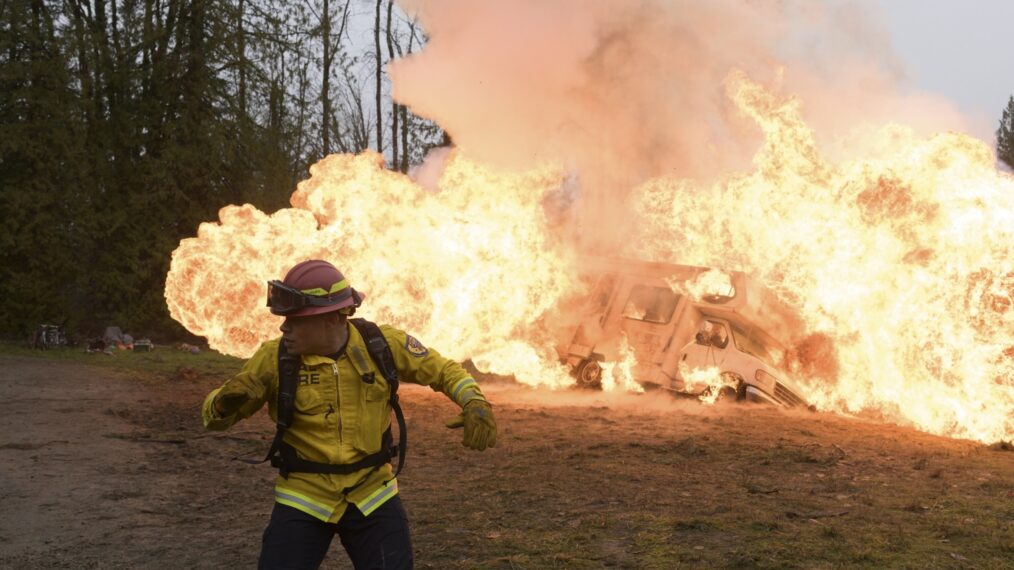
(1005, 135)
(124, 124)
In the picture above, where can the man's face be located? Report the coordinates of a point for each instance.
(314, 334)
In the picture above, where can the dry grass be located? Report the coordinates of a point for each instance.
(576, 482)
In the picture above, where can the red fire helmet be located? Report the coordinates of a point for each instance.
(311, 287)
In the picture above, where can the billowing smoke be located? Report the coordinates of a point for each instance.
(620, 92)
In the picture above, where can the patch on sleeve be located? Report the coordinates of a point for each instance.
(414, 347)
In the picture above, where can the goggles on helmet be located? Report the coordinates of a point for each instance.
(284, 300)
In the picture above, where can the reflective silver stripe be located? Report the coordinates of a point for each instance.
(301, 502)
(371, 503)
(467, 396)
(463, 383)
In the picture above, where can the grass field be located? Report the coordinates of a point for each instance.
(164, 361)
(578, 479)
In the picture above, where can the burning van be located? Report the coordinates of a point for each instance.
(693, 331)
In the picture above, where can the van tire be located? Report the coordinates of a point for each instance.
(734, 390)
(589, 374)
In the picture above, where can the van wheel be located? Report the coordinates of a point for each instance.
(734, 389)
(589, 374)
(726, 394)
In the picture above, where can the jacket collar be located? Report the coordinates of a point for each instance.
(354, 340)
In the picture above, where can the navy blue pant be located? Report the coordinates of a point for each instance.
(295, 540)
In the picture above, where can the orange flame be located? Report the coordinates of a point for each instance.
(708, 382)
(711, 282)
(619, 375)
(902, 260)
(468, 269)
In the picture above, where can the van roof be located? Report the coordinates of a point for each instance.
(753, 306)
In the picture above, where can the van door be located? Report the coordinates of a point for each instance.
(591, 316)
(646, 320)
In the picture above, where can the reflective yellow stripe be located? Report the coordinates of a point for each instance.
(303, 503)
(334, 288)
(457, 389)
(378, 497)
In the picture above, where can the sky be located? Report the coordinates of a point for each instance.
(961, 50)
(516, 81)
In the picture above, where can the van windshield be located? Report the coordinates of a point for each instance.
(651, 304)
(753, 346)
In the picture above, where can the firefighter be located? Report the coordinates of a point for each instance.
(335, 454)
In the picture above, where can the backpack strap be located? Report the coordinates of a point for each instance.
(380, 352)
(288, 380)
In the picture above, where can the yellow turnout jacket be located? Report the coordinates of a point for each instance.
(339, 418)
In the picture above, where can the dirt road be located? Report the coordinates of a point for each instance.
(99, 469)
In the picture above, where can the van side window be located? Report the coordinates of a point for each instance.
(753, 345)
(651, 304)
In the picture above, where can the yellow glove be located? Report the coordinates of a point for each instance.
(232, 396)
(480, 427)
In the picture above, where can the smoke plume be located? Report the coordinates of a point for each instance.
(620, 92)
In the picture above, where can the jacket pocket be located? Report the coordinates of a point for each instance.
(309, 401)
(374, 412)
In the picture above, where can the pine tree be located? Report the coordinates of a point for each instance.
(41, 169)
(1005, 135)
(126, 123)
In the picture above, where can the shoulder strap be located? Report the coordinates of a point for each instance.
(288, 380)
(380, 352)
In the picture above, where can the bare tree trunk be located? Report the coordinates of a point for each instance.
(195, 73)
(102, 66)
(241, 52)
(394, 106)
(147, 47)
(329, 48)
(115, 27)
(298, 168)
(325, 87)
(380, 72)
(162, 63)
(36, 49)
(84, 67)
(404, 109)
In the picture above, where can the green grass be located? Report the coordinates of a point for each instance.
(163, 361)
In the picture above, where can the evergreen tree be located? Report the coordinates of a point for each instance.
(1005, 135)
(124, 124)
(41, 166)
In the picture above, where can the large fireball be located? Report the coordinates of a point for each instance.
(902, 258)
(469, 269)
(599, 127)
